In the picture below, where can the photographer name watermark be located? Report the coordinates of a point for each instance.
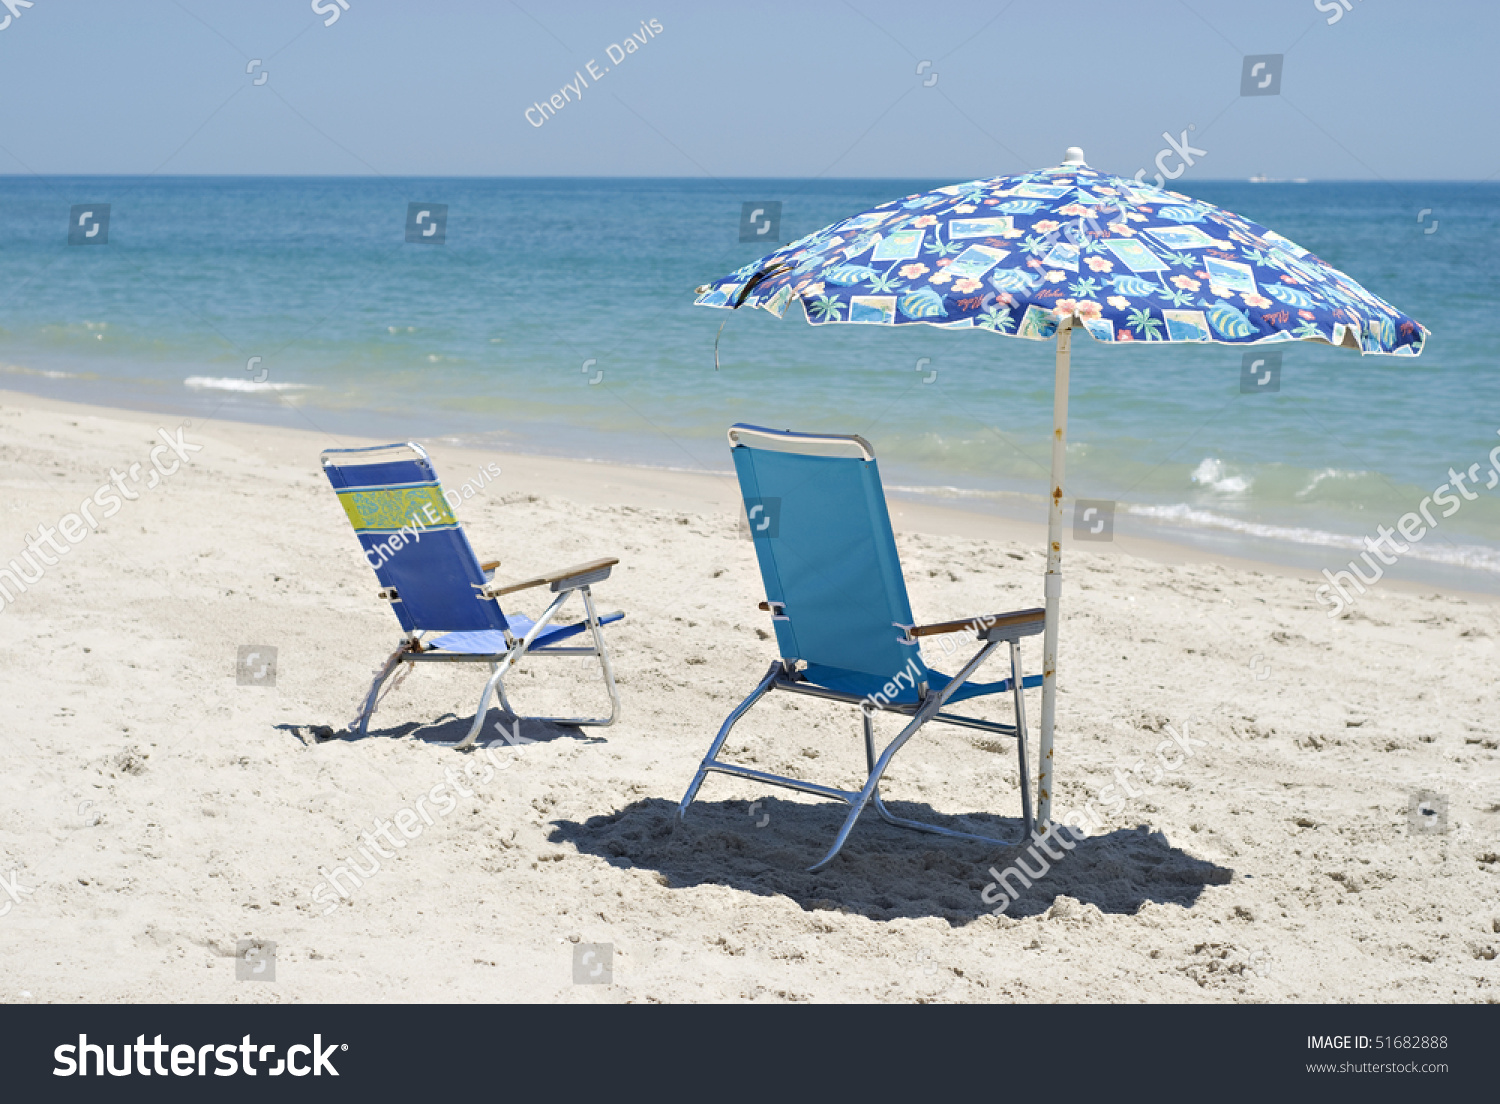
(419, 521)
(572, 91)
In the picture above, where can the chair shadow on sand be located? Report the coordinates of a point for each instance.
(764, 846)
(448, 729)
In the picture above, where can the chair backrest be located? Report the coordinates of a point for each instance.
(411, 538)
(827, 553)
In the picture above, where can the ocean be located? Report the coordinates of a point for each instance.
(555, 316)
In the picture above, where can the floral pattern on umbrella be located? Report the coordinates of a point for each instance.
(1015, 255)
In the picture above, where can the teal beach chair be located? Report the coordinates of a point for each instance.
(842, 619)
(435, 584)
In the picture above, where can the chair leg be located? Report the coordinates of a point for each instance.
(600, 649)
(729, 722)
(497, 673)
(603, 651)
(1018, 691)
(372, 700)
(918, 825)
(500, 670)
(885, 814)
(857, 806)
(929, 709)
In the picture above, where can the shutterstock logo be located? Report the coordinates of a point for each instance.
(189, 1061)
(760, 221)
(88, 224)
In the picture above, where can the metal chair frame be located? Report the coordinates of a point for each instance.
(501, 663)
(564, 584)
(785, 675)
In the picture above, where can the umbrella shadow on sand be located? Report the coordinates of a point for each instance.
(449, 729)
(764, 847)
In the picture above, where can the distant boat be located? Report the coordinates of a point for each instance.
(1262, 178)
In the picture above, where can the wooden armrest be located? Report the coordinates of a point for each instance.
(590, 572)
(984, 624)
(490, 565)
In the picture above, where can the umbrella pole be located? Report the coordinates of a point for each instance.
(1053, 582)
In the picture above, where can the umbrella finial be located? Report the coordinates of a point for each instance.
(1074, 156)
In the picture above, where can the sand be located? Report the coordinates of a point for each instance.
(155, 814)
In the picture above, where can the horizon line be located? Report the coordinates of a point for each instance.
(707, 180)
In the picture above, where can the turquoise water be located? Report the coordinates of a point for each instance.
(487, 339)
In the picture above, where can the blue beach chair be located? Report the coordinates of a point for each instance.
(435, 584)
(843, 622)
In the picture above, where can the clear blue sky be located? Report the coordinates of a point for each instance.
(1394, 90)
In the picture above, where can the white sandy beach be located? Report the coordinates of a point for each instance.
(154, 813)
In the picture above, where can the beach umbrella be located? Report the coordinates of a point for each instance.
(1045, 253)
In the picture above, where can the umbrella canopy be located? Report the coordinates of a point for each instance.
(1040, 254)
(1017, 254)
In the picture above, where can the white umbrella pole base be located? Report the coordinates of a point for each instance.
(1053, 580)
